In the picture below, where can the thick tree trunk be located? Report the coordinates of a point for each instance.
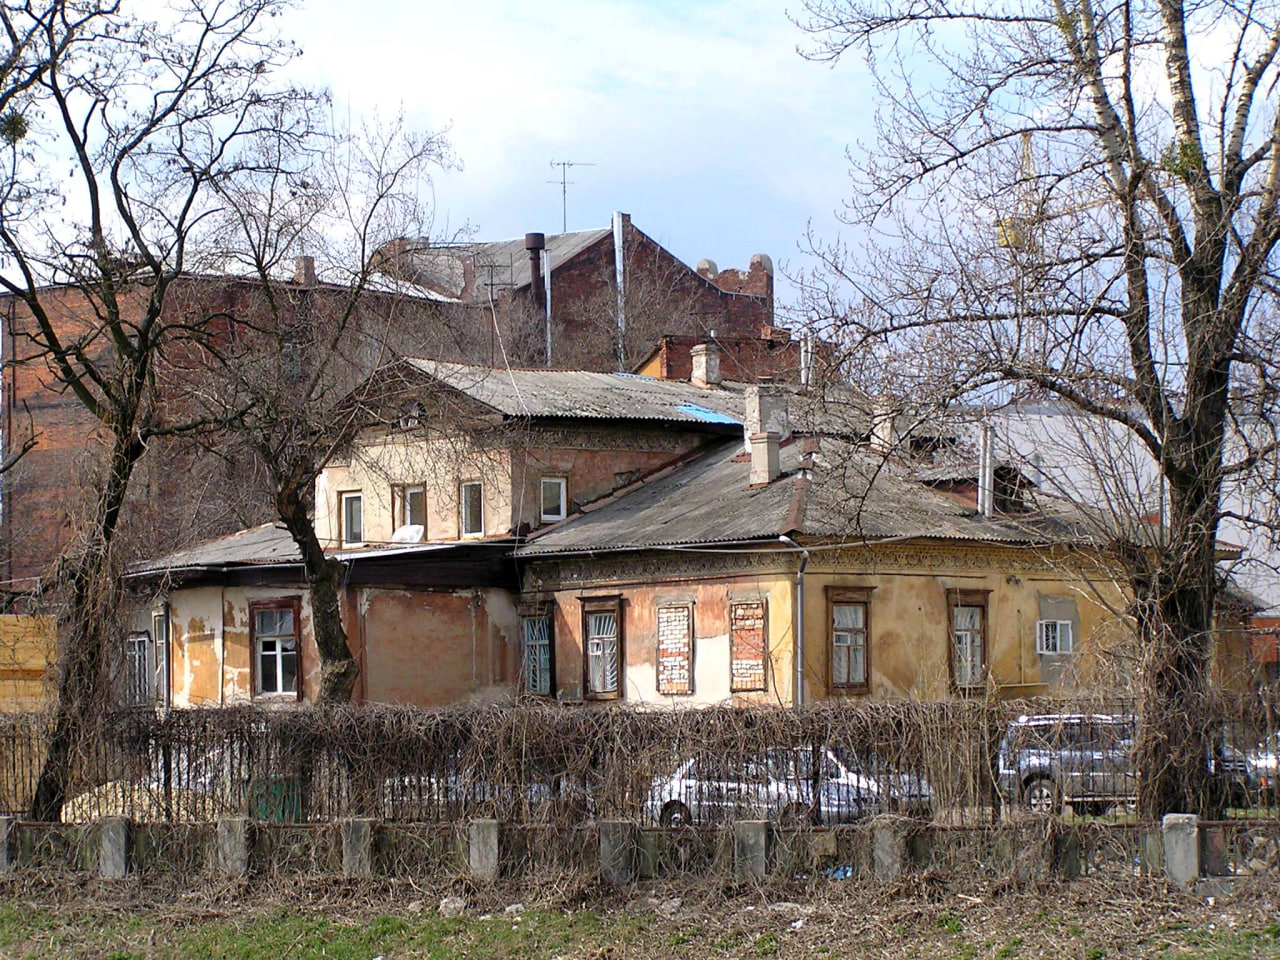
(87, 631)
(338, 668)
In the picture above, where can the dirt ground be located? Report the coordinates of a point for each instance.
(558, 917)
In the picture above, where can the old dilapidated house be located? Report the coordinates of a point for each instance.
(608, 537)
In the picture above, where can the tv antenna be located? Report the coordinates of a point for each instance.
(565, 182)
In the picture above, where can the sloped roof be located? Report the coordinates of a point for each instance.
(267, 544)
(842, 493)
(502, 263)
(582, 394)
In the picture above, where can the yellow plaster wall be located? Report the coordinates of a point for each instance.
(440, 465)
(909, 623)
(209, 628)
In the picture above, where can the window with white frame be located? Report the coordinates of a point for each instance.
(139, 673)
(602, 649)
(352, 518)
(536, 655)
(275, 647)
(1053, 636)
(410, 505)
(968, 643)
(471, 507)
(554, 499)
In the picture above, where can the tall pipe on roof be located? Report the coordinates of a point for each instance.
(535, 243)
(798, 645)
(620, 272)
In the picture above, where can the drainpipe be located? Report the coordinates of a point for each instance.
(168, 657)
(798, 696)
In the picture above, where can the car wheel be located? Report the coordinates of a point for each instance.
(675, 814)
(1041, 796)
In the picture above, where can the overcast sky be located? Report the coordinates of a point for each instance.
(703, 121)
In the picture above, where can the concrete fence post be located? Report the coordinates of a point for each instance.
(482, 849)
(888, 848)
(750, 849)
(1181, 848)
(357, 847)
(6, 844)
(619, 844)
(233, 846)
(113, 848)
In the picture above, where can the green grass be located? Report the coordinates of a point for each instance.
(264, 933)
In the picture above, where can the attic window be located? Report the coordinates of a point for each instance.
(471, 507)
(352, 518)
(554, 505)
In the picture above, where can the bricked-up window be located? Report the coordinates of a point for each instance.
(471, 505)
(352, 514)
(968, 647)
(747, 646)
(602, 647)
(274, 635)
(536, 655)
(675, 649)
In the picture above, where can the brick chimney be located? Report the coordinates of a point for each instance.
(766, 412)
(765, 465)
(304, 271)
(706, 366)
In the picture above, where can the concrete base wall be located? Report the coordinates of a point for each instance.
(620, 852)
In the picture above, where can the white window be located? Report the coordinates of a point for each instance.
(537, 655)
(1053, 636)
(849, 644)
(471, 502)
(602, 652)
(968, 662)
(554, 499)
(410, 505)
(352, 519)
(139, 673)
(275, 643)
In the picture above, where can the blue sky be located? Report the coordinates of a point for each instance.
(703, 121)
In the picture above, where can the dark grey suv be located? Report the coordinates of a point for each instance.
(1081, 759)
(1085, 760)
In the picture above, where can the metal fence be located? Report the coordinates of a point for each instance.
(953, 763)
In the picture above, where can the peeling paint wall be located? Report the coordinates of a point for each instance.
(710, 601)
(910, 617)
(429, 648)
(436, 648)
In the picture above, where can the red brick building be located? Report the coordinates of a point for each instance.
(591, 299)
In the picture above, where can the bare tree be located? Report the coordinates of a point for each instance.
(285, 383)
(1084, 201)
(152, 120)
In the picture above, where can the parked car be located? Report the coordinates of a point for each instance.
(1085, 760)
(784, 785)
(899, 791)
(1264, 760)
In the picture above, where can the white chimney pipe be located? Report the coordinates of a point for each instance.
(765, 458)
(987, 471)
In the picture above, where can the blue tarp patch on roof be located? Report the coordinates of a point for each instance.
(710, 416)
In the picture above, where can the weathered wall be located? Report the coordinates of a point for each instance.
(910, 620)
(27, 648)
(441, 465)
(710, 600)
(421, 647)
(209, 630)
(433, 649)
